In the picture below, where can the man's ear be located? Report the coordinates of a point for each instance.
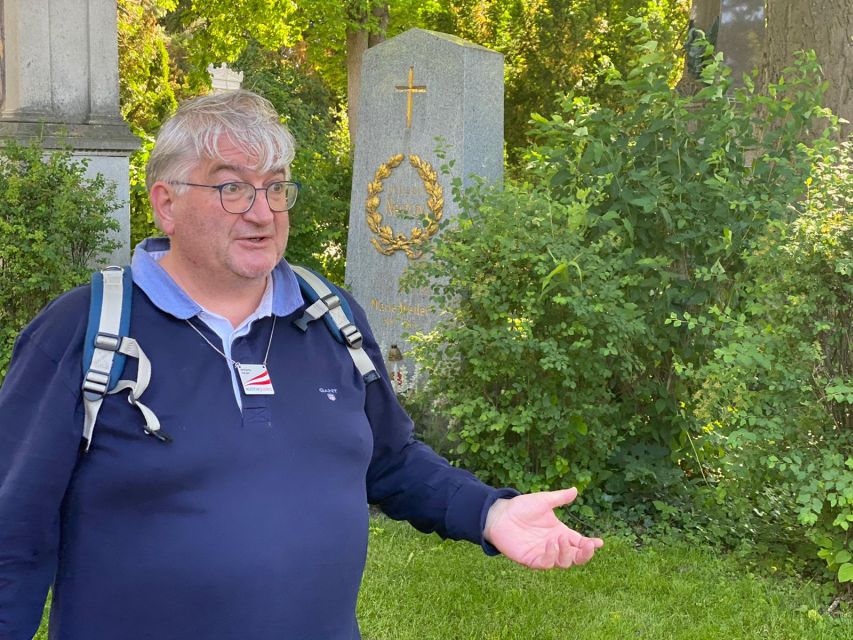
(162, 197)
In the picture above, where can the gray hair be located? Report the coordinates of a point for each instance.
(198, 127)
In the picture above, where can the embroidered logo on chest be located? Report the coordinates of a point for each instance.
(331, 394)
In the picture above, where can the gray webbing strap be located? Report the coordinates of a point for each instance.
(107, 343)
(137, 387)
(97, 378)
(329, 302)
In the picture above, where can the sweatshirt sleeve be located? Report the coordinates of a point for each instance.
(40, 429)
(407, 479)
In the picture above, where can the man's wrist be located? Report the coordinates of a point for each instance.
(504, 494)
(492, 515)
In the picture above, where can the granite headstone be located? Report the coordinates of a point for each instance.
(420, 91)
(736, 28)
(741, 36)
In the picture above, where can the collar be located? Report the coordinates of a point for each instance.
(166, 295)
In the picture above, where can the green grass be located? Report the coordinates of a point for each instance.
(420, 588)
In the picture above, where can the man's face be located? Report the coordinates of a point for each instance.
(216, 244)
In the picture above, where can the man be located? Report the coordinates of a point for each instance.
(251, 522)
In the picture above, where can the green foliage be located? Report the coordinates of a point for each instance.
(318, 231)
(524, 410)
(774, 401)
(146, 94)
(330, 23)
(556, 360)
(216, 31)
(553, 46)
(54, 223)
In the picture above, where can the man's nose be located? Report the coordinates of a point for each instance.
(260, 212)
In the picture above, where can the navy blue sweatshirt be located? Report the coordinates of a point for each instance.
(249, 525)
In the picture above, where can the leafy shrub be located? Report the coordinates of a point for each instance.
(555, 359)
(527, 405)
(776, 396)
(54, 223)
(146, 93)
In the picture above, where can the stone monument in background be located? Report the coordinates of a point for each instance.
(736, 28)
(60, 85)
(741, 36)
(419, 91)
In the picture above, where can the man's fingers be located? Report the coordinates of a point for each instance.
(585, 551)
(569, 553)
(548, 558)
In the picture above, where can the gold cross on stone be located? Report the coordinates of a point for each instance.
(411, 89)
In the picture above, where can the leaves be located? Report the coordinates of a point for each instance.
(54, 223)
(659, 305)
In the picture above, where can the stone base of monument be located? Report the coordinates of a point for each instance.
(60, 86)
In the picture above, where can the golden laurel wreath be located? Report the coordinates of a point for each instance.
(386, 242)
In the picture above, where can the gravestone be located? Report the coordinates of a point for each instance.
(223, 79)
(736, 28)
(741, 36)
(419, 91)
(60, 85)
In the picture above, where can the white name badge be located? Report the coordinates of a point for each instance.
(255, 380)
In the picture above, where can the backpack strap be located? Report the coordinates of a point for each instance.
(328, 303)
(107, 345)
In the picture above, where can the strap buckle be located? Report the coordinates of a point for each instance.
(332, 301)
(352, 335)
(107, 341)
(95, 384)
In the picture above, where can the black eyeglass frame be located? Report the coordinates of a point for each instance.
(220, 187)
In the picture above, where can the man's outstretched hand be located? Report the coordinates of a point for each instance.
(525, 529)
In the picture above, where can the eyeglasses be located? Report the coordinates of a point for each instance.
(238, 197)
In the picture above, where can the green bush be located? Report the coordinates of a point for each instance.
(147, 96)
(555, 360)
(775, 398)
(54, 223)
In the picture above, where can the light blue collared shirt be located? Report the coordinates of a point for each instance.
(281, 297)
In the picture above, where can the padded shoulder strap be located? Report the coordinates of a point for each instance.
(109, 320)
(328, 303)
(107, 345)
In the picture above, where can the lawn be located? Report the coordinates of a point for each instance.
(419, 587)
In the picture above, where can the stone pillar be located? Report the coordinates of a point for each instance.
(60, 74)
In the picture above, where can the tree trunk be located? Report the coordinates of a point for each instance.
(703, 13)
(823, 25)
(356, 46)
(382, 15)
(359, 39)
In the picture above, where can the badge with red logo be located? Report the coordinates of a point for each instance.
(255, 380)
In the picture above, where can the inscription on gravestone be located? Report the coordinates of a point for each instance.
(417, 88)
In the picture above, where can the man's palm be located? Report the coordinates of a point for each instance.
(526, 530)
